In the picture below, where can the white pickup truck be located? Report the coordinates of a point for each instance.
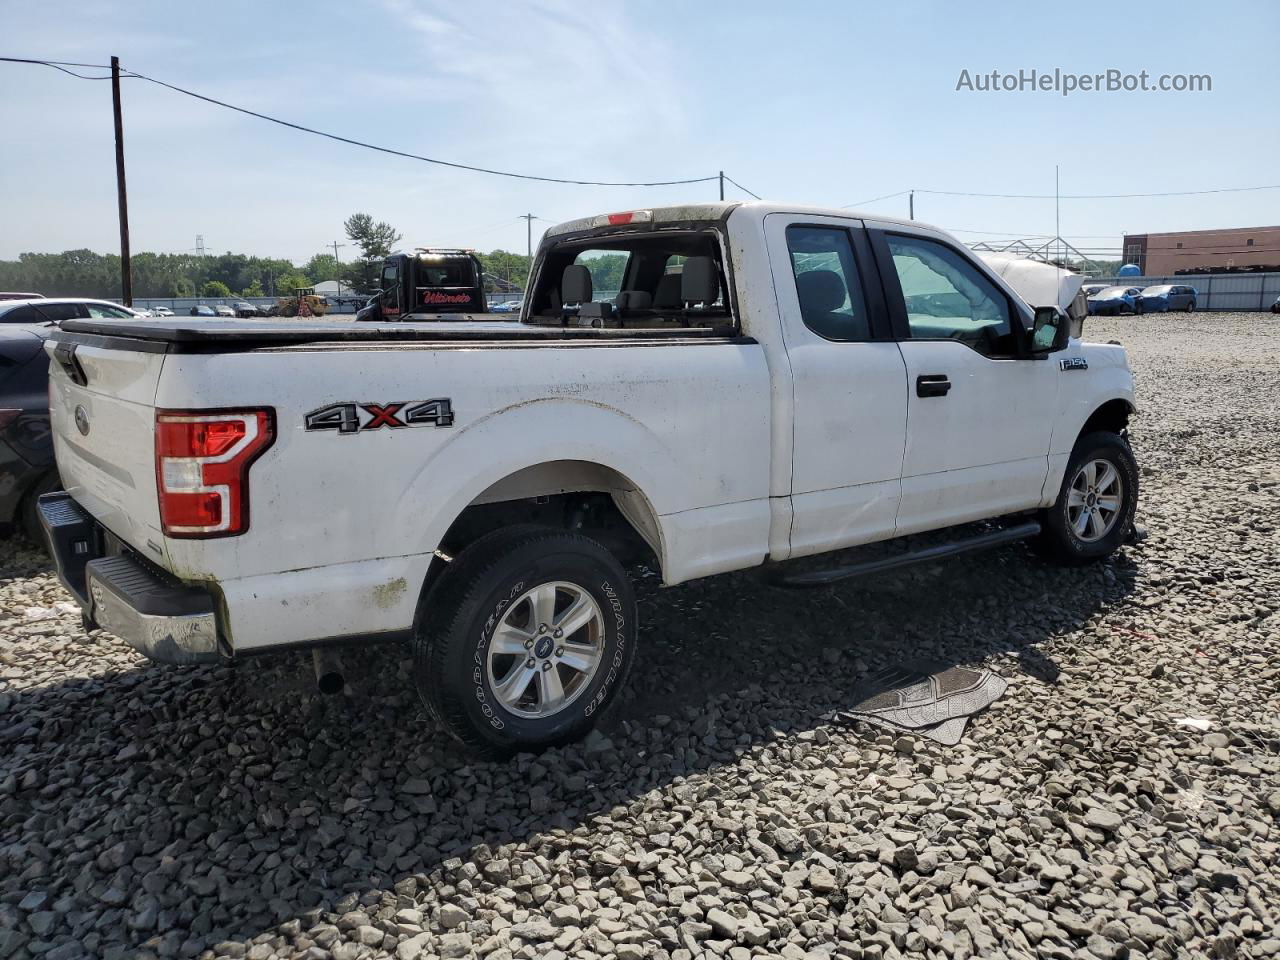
(769, 382)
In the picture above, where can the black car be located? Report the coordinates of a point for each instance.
(27, 467)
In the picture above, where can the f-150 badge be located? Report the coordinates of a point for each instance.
(348, 418)
(1074, 363)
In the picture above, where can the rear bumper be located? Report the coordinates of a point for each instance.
(162, 619)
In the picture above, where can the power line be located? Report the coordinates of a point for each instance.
(62, 65)
(415, 156)
(741, 187)
(887, 196)
(1068, 196)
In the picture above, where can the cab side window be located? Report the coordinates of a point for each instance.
(391, 290)
(827, 283)
(947, 298)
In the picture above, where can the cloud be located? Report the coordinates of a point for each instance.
(575, 76)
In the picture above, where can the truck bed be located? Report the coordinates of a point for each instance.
(200, 334)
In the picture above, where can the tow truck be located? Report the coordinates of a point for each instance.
(426, 282)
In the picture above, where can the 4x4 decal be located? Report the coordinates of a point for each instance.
(348, 418)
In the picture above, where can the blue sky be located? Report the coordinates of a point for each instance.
(826, 103)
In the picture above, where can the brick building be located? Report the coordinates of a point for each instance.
(1163, 254)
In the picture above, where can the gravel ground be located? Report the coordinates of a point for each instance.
(232, 812)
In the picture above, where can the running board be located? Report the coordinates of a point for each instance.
(983, 541)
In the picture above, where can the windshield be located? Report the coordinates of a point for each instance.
(1155, 291)
(1110, 293)
(437, 271)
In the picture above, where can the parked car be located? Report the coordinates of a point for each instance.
(1110, 301)
(223, 310)
(243, 309)
(21, 296)
(1169, 296)
(480, 485)
(46, 310)
(27, 467)
(202, 310)
(161, 312)
(1275, 307)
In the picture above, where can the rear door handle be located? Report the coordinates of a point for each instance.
(932, 385)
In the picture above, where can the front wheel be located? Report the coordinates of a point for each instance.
(1096, 503)
(525, 640)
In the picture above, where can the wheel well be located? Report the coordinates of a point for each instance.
(1112, 416)
(594, 500)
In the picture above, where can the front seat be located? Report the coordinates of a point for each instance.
(699, 282)
(822, 293)
(575, 285)
(667, 294)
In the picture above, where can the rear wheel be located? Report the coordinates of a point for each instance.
(1096, 503)
(525, 639)
(1191, 306)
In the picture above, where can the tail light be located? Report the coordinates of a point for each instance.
(202, 468)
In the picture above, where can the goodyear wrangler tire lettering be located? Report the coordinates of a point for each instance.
(492, 589)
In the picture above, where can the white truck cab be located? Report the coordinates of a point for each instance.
(715, 387)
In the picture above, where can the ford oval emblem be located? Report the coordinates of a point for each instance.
(82, 421)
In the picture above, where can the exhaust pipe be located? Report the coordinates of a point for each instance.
(329, 677)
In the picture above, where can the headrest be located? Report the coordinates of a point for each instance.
(668, 292)
(821, 291)
(634, 300)
(575, 284)
(699, 281)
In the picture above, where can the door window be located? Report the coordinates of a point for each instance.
(391, 289)
(98, 311)
(827, 283)
(947, 298)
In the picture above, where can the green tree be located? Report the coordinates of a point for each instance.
(504, 271)
(287, 283)
(375, 240)
(253, 290)
(321, 267)
(183, 287)
(215, 288)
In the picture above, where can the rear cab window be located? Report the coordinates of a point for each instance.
(655, 276)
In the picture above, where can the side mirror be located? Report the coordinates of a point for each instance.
(1051, 331)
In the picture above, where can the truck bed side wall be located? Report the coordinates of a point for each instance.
(343, 526)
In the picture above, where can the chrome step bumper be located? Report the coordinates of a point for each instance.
(162, 619)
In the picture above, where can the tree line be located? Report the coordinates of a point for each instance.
(85, 273)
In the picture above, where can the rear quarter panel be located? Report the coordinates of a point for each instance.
(687, 424)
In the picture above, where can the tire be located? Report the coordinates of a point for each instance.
(1140, 307)
(1191, 306)
(30, 518)
(494, 586)
(1060, 538)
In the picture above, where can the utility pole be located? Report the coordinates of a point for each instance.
(126, 272)
(1057, 218)
(911, 205)
(336, 264)
(528, 219)
(721, 184)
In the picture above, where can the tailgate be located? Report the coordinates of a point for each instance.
(102, 415)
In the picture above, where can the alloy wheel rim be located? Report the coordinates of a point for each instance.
(546, 649)
(1094, 500)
